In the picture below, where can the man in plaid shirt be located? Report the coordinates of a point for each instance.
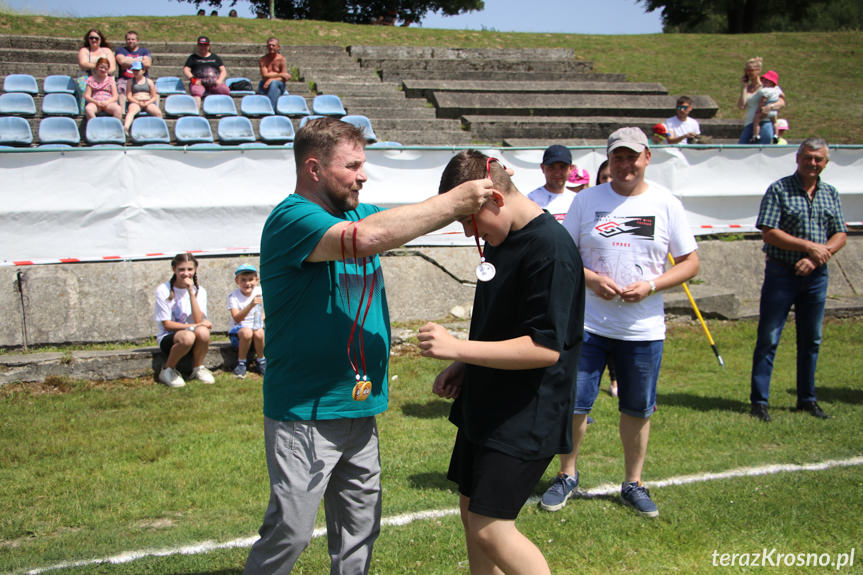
(802, 226)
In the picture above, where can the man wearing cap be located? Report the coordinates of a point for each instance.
(206, 72)
(125, 56)
(624, 230)
(802, 226)
(556, 166)
(328, 345)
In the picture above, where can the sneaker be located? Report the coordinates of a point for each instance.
(637, 496)
(202, 374)
(562, 489)
(759, 411)
(240, 370)
(262, 365)
(171, 377)
(813, 408)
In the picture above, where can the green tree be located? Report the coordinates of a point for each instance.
(746, 16)
(353, 11)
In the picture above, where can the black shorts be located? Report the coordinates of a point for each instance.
(497, 484)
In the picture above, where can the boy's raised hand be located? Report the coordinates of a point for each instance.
(435, 341)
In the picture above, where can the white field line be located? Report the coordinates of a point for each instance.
(397, 520)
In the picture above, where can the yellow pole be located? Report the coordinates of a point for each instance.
(701, 319)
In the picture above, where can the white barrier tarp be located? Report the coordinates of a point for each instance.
(95, 204)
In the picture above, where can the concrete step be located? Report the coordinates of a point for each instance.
(428, 52)
(427, 138)
(425, 88)
(500, 128)
(391, 75)
(479, 67)
(361, 88)
(456, 104)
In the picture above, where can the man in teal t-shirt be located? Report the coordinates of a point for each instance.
(327, 335)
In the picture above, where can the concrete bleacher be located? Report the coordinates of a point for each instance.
(526, 97)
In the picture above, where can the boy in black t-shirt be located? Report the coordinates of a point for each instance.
(514, 379)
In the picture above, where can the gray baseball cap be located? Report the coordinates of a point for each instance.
(631, 137)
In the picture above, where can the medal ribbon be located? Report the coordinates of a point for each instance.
(357, 321)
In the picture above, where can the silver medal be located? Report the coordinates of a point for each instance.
(485, 271)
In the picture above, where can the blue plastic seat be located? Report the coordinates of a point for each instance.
(255, 106)
(180, 105)
(20, 83)
(150, 130)
(230, 81)
(328, 105)
(58, 84)
(59, 130)
(292, 105)
(364, 124)
(235, 130)
(60, 104)
(105, 130)
(219, 105)
(276, 130)
(193, 130)
(170, 85)
(17, 104)
(385, 144)
(15, 131)
(305, 120)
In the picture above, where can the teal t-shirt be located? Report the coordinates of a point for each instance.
(310, 309)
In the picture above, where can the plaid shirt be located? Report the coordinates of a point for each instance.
(786, 206)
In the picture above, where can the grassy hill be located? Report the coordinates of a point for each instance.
(821, 73)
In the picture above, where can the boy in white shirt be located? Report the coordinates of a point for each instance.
(247, 319)
(681, 128)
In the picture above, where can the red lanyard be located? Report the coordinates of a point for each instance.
(363, 386)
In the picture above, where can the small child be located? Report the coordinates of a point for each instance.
(681, 128)
(181, 313)
(660, 134)
(247, 319)
(514, 380)
(769, 93)
(782, 126)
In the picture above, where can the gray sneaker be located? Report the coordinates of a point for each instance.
(562, 489)
(637, 496)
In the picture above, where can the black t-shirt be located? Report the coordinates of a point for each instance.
(203, 67)
(538, 291)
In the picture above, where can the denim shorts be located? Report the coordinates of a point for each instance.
(637, 365)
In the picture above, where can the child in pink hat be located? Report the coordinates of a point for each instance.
(770, 93)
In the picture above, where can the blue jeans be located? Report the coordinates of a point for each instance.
(764, 137)
(780, 290)
(637, 365)
(273, 91)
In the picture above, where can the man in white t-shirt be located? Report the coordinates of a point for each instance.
(681, 128)
(553, 196)
(624, 230)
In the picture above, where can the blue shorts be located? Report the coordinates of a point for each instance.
(637, 366)
(232, 335)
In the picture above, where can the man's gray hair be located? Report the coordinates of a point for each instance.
(814, 143)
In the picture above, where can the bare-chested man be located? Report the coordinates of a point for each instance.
(274, 72)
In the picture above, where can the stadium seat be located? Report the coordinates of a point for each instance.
(363, 124)
(219, 105)
(20, 83)
(255, 106)
(276, 130)
(150, 130)
(59, 130)
(292, 105)
(180, 105)
(105, 130)
(15, 131)
(385, 144)
(235, 130)
(328, 105)
(230, 81)
(305, 120)
(193, 130)
(170, 85)
(17, 104)
(60, 104)
(59, 84)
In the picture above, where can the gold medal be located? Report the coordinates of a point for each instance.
(362, 390)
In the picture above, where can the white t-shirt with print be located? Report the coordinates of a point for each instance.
(236, 300)
(677, 128)
(178, 309)
(627, 239)
(556, 204)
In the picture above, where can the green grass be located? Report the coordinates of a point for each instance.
(820, 72)
(96, 469)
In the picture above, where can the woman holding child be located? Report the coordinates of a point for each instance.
(751, 101)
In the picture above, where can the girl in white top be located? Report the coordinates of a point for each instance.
(181, 313)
